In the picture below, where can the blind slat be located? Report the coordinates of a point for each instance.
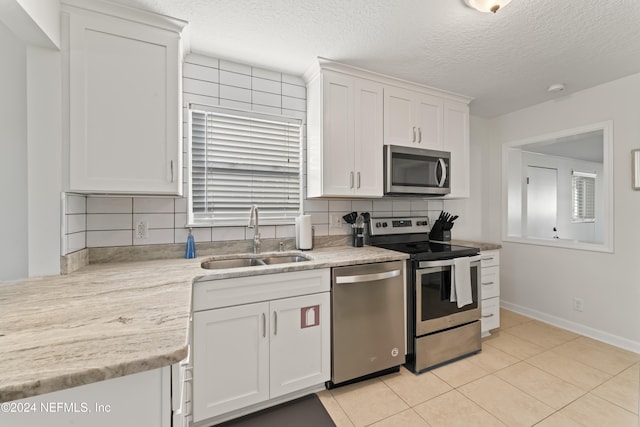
(238, 161)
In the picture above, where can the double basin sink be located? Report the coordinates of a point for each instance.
(251, 260)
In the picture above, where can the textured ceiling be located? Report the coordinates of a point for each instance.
(505, 61)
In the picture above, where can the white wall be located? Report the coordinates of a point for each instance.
(36, 22)
(542, 281)
(13, 157)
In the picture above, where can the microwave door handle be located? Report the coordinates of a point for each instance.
(443, 176)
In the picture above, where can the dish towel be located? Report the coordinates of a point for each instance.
(461, 282)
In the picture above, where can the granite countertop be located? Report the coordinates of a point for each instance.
(109, 320)
(483, 246)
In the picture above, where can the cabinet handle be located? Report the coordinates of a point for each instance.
(171, 170)
(351, 179)
(487, 259)
(358, 179)
(414, 134)
(264, 325)
(488, 315)
(487, 283)
(419, 135)
(275, 323)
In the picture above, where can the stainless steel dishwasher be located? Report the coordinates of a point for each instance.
(368, 321)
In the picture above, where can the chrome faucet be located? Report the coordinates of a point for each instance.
(255, 224)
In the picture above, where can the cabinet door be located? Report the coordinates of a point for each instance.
(230, 359)
(399, 127)
(300, 343)
(428, 121)
(124, 105)
(456, 141)
(338, 174)
(368, 139)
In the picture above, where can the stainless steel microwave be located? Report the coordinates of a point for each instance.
(416, 171)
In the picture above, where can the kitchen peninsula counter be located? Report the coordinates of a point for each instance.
(110, 320)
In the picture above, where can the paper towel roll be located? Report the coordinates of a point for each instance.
(304, 239)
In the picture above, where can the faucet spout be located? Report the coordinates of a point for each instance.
(254, 223)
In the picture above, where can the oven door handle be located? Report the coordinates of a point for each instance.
(367, 277)
(445, 262)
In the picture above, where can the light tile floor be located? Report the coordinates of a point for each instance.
(528, 373)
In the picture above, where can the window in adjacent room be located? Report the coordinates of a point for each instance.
(241, 158)
(583, 191)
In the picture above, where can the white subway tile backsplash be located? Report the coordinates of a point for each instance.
(419, 205)
(96, 222)
(200, 87)
(315, 205)
(197, 100)
(265, 85)
(200, 234)
(266, 232)
(362, 205)
(220, 234)
(180, 220)
(340, 206)
(75, 223)
(99, 239)
(297, 115)
(152, 205)
(76, 204)
(235, 79)
(294, 91)
(382, 205)
(207, 61)
(76, 241)
(267, 109)
(436, 205)
(229, 103)
(266, 74)
(154, 221)
(235, 67)
(291, 103)
(319, 217)
(235, 94)
(109, 204)
(321, 229)
(401, 206)
(199, 72)
(264, 98)
(160, 236)
(285, 231)
(294, 80)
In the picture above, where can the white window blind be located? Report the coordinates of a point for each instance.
(583, 196)
(238, 159)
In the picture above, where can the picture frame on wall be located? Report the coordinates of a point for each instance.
(635, 169)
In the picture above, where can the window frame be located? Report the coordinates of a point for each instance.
(241, 221)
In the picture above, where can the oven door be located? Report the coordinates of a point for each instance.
(416, 171)
(434, 311)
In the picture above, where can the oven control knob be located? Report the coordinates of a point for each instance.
(384, 224)
(378, 225)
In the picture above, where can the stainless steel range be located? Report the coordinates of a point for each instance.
(441, 327)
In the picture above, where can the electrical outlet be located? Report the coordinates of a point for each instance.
(335, 221)
(142, 229)
(578, 304)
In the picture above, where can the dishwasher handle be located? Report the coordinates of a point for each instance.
(367, 277)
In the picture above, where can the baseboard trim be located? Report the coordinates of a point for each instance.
(578, 328)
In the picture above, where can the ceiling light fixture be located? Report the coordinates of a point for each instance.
(555, 88)
(487, 5)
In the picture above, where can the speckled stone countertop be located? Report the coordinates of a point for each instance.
(480, 245)
(109, 320)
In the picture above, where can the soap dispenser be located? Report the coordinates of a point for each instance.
(191, 246)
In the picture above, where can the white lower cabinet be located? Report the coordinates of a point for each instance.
(137, 400)
(247, 356)
(490, 290)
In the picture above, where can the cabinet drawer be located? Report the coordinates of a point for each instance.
(490, 314)
(490, 282)
(490, 258)
(208, 294)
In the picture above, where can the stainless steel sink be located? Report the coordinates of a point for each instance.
(284, 259)
(216, 264)
(237, 261)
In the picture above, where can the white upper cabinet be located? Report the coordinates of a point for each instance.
(412, 119)
(352, 113)
(124, 103)
(344, 137)
(456, 141)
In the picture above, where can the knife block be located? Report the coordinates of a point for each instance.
(439, 233)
